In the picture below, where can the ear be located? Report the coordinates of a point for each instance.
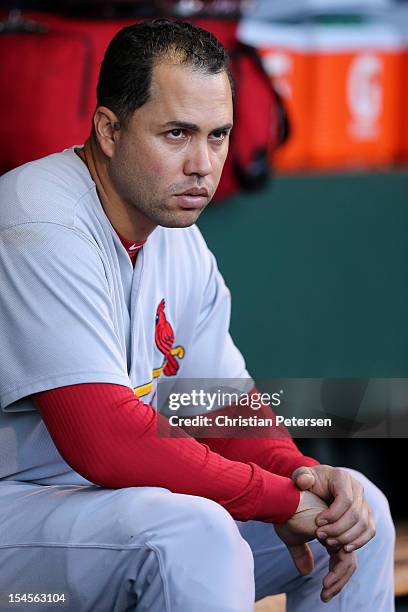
(107, 127)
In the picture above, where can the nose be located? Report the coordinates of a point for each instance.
(198, 160)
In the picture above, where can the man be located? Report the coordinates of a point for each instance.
(108, 286)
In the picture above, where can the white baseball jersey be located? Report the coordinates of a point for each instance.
(73, 310)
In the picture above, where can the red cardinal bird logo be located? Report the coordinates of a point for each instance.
(164, 337)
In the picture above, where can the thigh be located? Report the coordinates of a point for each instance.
(76, 515)
(74, 541)
(118, 549)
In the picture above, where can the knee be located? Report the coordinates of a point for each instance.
(204, 548)
(206, 534)
(209, 525)
(188, 523)
(385, 529)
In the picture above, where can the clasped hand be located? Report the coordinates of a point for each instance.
(332, 508)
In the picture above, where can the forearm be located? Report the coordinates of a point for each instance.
(114, 442)
(276, 456)
(278, 453)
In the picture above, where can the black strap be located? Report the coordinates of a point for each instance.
(255, 175)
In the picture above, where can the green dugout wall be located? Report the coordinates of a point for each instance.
(318, 270)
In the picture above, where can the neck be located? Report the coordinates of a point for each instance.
(124, 218)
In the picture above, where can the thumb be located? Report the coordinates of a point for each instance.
(302, 557)
(303, 478)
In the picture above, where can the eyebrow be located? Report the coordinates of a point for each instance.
(193, 127)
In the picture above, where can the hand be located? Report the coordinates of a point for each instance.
(342, 566)
(348, 521)
(300, 529)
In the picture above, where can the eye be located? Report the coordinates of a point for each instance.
(219, 135)
(175, 133)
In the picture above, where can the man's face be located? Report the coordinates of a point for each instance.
(167, 162)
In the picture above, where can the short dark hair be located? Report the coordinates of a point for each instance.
(126, 70)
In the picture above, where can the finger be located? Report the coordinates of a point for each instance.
(332, 549)
(303, 478)
(355, 511)
(335, 587)
(361, 541)
(344, 498)
(303, 558)
(339, 564)
(358, 535)
(348, 528)
(337, 560)
(342, 567)
(366, 537)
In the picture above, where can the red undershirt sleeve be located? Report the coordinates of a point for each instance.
(278, 454)
(109, 436)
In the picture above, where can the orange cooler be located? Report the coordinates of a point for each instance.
(357, 107)
(403, 149)
(284, 49)
(399, 18)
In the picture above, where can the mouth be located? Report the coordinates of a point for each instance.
(194, 198)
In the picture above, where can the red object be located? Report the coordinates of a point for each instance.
(164, 337)
(48, 82)
(278, 454)
(132, 248)
(110, 437)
